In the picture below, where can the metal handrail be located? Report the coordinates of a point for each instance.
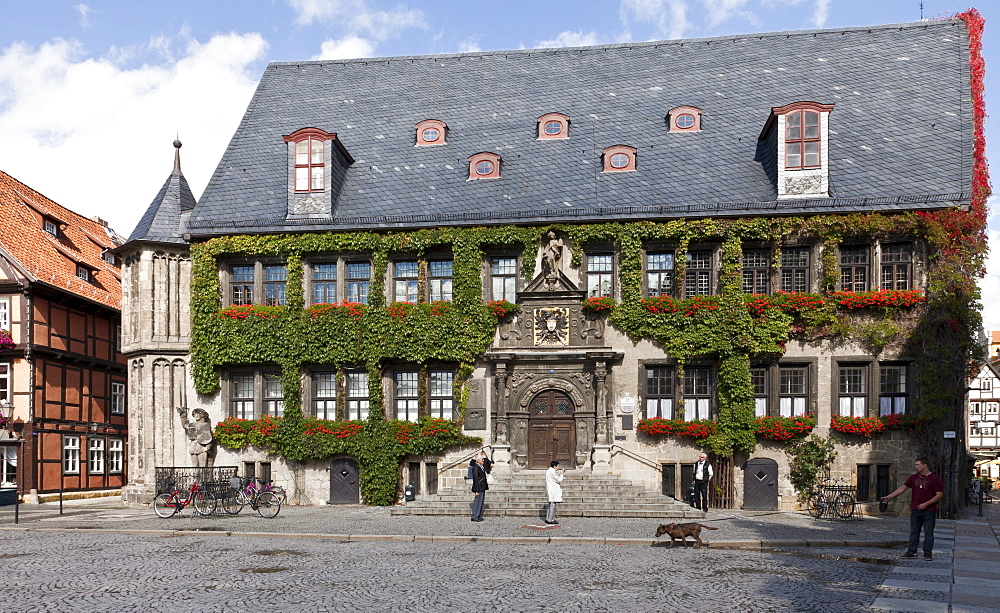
(464, 458)
(656, 465)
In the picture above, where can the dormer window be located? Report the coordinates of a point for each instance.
(431, 132)
(619, 158)
(796, 144)
(484, 165)
(552, 126)
(802, 140)
(82, 272)
(310, 148)
(51, 227)
(684, 119)
(109, 257)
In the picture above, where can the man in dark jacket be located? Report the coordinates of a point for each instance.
(478, 469)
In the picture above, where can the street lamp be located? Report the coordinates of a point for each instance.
(5, 414)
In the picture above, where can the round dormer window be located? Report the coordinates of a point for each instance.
(484, 168)
(431, 134)
(619, 160)
(685, 121)
(553, 128)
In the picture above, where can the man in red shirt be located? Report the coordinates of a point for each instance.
(927, 491)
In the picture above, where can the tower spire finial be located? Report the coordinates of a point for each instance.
(177, 157)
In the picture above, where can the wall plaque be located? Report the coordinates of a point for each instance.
(475, 419)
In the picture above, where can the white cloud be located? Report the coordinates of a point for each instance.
(357, 17)
(820, 12)
(719, 11)
(96, 137)
(84, 11)
(469, 45)
(571, 39)
(669, 16)
(345, 48)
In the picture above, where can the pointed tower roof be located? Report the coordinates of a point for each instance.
(162, 220)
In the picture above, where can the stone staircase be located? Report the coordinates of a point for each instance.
(584, 495)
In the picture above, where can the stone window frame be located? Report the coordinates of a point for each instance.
(678, 111)
(895, 397)
(794, 267)
(413, 401)
(756, 269)
(600, 250)
(689, 272)
(357, 405)
(484, 156)
(259, 283)
(258, 399)
(896, 266)
(311, 393)
(341, 262)
(645, 396)
(548, 118)
(671, 272)
(424, 280)
(411, 283)
(430, 124)
(710, 390)
(854, 268)
(774, 393)
(609, 152)
(489, 276)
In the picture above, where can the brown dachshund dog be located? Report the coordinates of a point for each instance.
(682, 531)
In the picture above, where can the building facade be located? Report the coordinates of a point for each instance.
(612, 256)
(984, 413)
(61, 370)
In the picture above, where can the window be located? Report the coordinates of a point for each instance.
(793, 390)
(405, 279)
(756, 271)
(274, 399)
(484, 165)
(82, 272)
(974, 408)
(896, 266)
(553, 125)
(854, 268)
(324, 392)
(71, 455)
(439, 279)
(660, 392)
(309, 164)
(117, 398)
(864, 482)
(407, 396)
(883, 484)
(698, 275)
(359, 276)
(116, 455)
(51, 227)
(697, 393)
(241, 284)
(324, 283)
(441, 393)
(892, 389)
(5, 381)
(986, 384)
(795, 269)
(109, 257)
(357, 395)
(853, 390)
(274, 285)
(430, 132)
(8, 465)
(241, 396)
(758, 378)
(802, 140)
(600, 274)
(684, 119)
(503, 275)
(618, 158)
(5, 314)
(659, 274)
(95, 456)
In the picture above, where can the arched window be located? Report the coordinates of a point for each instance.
(619, 158)
(484, 165)
(552, 126)
(431, 132)
(803, 133)
(310, 146)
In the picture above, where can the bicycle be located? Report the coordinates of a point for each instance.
(261, 498)
(169, 503)
(822, 500)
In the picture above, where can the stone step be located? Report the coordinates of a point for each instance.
(538, 513)
(541, 503)
(519, 497)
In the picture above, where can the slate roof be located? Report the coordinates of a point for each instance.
(900, 131)
(161, 221)
(43, 258)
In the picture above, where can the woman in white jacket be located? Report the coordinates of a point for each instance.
(553, 477)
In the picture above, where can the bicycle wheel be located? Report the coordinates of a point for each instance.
(816, 504)
(844, 506)
(268, 505)
(205, 502)
(278, 491)
(232, 503)
(164, 506)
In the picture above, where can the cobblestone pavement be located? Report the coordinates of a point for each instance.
(71, 570)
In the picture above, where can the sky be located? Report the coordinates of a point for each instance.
(93, 93)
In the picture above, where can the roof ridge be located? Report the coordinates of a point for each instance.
(952, 21)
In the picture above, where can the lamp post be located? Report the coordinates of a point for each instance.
(6, 411)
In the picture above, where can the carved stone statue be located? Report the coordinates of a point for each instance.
(199, 433)
(551, 256)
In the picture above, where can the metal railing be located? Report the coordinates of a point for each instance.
(183, 476)
(461, 460)
(636, 456)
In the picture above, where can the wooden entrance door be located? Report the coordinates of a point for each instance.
(760, 485)
(344, 485)
(551, 434)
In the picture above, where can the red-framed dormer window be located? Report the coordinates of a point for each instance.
(310, 155)
(684, 119)
(803, 134)
(619, 158)
(484, 165)
(431, 132)
(552, 126)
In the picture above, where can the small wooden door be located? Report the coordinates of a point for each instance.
(551, 435)
(760, 485)
(344, 485)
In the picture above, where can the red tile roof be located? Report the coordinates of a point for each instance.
(52, 260)
(995, 336)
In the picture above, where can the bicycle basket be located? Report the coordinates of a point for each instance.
(236, 483)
